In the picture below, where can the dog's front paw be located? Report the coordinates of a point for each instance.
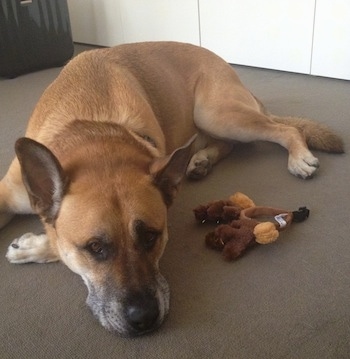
(31, 248)
(304, 165)
(198, 167)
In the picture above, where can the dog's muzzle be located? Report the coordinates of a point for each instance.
(130, 312)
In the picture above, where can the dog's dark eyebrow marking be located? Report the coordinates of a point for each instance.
(146, 236)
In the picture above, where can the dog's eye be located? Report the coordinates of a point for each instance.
(147, 237)
(96, 247)
(99, 249)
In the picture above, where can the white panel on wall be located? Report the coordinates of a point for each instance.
(112, 22)
(96, 22)
(274, 34)
(331, 48)
(170, 20)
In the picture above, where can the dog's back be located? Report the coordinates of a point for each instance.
(154, 82)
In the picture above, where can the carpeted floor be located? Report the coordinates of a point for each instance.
(289, 299)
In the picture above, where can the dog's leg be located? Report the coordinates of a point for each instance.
(31, 248)
(241, 123)
(13, 195)
(202, 161)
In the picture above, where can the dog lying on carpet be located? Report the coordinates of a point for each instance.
(105, 150)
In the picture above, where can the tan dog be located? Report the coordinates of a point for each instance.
(102, 160)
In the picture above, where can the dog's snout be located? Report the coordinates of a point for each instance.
(133, 313)
(142, 312)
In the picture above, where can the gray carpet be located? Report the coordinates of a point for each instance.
(289, 299)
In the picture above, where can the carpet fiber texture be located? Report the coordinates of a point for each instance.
(289, 299)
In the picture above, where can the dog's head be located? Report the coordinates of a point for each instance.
(104, 207)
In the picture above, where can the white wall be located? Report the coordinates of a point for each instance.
(306, 36)
(331, 46)
(275, 34)
(112, 22)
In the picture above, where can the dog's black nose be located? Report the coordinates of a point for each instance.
(142, 312)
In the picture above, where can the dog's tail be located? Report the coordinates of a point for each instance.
(317, 136)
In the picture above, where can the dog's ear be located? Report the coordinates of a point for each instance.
(168, 171)
(42, 176)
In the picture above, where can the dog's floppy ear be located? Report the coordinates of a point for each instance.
(168, 171)
(42, 176)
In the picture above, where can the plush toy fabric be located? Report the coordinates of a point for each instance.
(239, 228)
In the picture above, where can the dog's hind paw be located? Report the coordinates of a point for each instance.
(31, 248)
(303, 166)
